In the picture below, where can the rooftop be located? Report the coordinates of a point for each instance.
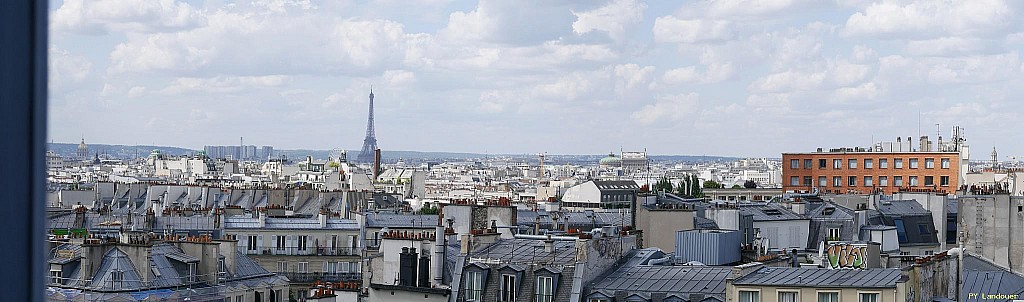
(525, 251)
(817, 277)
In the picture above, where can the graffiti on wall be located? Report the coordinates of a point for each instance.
(845, 255)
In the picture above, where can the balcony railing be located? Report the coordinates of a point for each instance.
(296, 251)
(295, 277)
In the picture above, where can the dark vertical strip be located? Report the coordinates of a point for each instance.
(23, 55)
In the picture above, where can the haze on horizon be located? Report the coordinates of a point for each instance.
(730, 78)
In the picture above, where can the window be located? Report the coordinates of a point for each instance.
(807, 181)
(833, 234)
(279, 242)
(945, 163)
(869, 297)
(868, 181)
(807, 164)
(929, 163)
(789, 296)
(822, 181)
(822, 163)
(837, 181)
(192, 272)
(239, 298)
(837, 164)
(794, 163)
(897, 163)
(55, 276)
(913, 181)
(869, 163)
(922, 228)
(929, 180)
(329, 267)
(303, 267)
(116, 277)
(883, 181)
(853, 163)
(794, 180)
(302, 242)
(944, 180)
(897, 181)
(828, 297)
(508, 288)
(251, 243)
(282, 266)
(750, 296)
(883, 163)
(545, 293)
(913, 163)
(852, 180)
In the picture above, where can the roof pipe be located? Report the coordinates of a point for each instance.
(542, 237)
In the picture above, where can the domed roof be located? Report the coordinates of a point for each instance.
(610, 160)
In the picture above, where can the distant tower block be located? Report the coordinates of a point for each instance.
(370, 142)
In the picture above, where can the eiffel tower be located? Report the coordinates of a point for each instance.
(370, 142)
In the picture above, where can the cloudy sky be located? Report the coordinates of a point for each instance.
(737, 78)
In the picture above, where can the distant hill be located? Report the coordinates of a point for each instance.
(127, 151)
(119, 151)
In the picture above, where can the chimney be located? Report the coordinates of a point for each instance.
(150, 222)
(423, 279)
(218, 214)
(549, 245)
(376, 163)
(322, 217)
(79, 216)
(439, 249)
(795, 262)
(899, 142)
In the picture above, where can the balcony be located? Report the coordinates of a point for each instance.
(296, 251)
(295, 277)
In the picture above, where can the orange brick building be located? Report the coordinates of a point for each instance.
(868, 172)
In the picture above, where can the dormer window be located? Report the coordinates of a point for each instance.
(116, 278)
(545, 290)
(222, 269)
(55, 277)
(192, 272)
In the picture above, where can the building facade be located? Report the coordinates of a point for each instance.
(870, 172)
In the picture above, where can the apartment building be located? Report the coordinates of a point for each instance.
(306, 250)
(859, 171)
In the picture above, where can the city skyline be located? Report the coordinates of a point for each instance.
(743, 78)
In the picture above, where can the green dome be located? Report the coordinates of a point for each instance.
(610, 160)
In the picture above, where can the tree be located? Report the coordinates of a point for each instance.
(750, 184)
(711, 184)
(663, 185)
(737, 187)
(429, 210)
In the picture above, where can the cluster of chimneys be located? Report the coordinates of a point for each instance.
(927, 259)
(501, 202)
(328, 288)
(424, 235)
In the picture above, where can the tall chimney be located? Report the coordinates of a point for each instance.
(376, 163)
